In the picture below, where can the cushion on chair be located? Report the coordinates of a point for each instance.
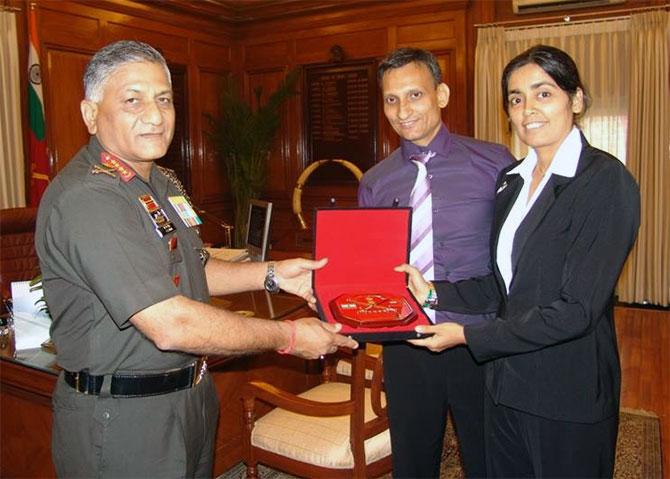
(322, 441)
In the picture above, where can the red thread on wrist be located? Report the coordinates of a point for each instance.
(291, 342)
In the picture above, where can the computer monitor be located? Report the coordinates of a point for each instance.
(258, 229)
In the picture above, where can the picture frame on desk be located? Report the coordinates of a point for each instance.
(258, 229)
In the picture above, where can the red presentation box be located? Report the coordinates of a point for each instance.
(358, 286)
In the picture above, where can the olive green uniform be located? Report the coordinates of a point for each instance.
(103, 260)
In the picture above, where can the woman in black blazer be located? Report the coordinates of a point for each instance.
(566, 218)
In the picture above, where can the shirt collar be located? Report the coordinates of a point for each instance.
(439, 144)
(564, 163)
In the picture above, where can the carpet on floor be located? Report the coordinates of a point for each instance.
(638, 452)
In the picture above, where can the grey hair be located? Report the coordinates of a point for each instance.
(403, 56)
(112, 56)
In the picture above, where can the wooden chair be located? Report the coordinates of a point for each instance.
(18, 260)
(337, 429)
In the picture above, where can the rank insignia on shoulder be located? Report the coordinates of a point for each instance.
(100, 168)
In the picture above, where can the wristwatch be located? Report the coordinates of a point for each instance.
(271, 283)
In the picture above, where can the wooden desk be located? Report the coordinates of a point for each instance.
(27, 381)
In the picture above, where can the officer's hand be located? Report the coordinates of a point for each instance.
(295, 276)
(314, 338)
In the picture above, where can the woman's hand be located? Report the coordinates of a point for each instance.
(444, 336)
(415, 282)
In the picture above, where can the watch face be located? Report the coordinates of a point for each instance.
(372, 310)
(271, 285)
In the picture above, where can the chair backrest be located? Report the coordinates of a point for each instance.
(365, 376)
(360, 429)
(18, 260)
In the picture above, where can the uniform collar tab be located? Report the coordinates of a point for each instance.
(124, 170)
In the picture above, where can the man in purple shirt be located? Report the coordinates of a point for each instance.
(422, 386)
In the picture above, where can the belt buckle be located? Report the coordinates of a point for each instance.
(76, 382)
(201, 366)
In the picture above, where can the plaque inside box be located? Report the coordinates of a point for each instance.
(372, 310)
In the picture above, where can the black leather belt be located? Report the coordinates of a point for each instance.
(135, 385)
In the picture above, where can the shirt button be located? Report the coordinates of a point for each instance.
(105, 415)
(430, 177)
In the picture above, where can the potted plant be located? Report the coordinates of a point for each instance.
(243, 137)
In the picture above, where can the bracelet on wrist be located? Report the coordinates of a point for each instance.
(291, 342)
(431, 299)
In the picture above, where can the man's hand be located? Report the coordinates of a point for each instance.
(415, 282)
(295, 277)
(444, 336)
(314, 338)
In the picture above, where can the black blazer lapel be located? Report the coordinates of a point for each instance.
(505, 196)
(536, 214)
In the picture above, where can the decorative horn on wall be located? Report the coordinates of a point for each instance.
(297, 191)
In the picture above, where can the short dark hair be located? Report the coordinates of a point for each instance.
(403, 56)
(556, 63)
(112, 56)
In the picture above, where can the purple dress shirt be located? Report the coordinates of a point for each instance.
(462, 176)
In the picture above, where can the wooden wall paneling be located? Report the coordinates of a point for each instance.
(368, 43)
(212, 56)
(159, 14)
(210, 184)
(173, 46)
(74, 30)
(266, 55)
(63, 92)
(374, 12)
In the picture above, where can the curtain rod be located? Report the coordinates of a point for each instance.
(566, 18)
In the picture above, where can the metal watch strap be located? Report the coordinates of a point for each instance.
(271, 283)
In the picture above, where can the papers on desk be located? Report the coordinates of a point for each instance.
(31, 326)
(229, 254)
(30, 330)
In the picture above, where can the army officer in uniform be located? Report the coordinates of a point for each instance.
(127, 282)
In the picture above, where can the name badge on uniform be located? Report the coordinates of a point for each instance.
(185, 210)
(161, 222)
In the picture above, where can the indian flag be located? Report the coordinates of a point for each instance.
(39, 159)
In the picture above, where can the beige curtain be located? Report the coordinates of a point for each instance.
(646, 276)
(12, 184)
(490, 58)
